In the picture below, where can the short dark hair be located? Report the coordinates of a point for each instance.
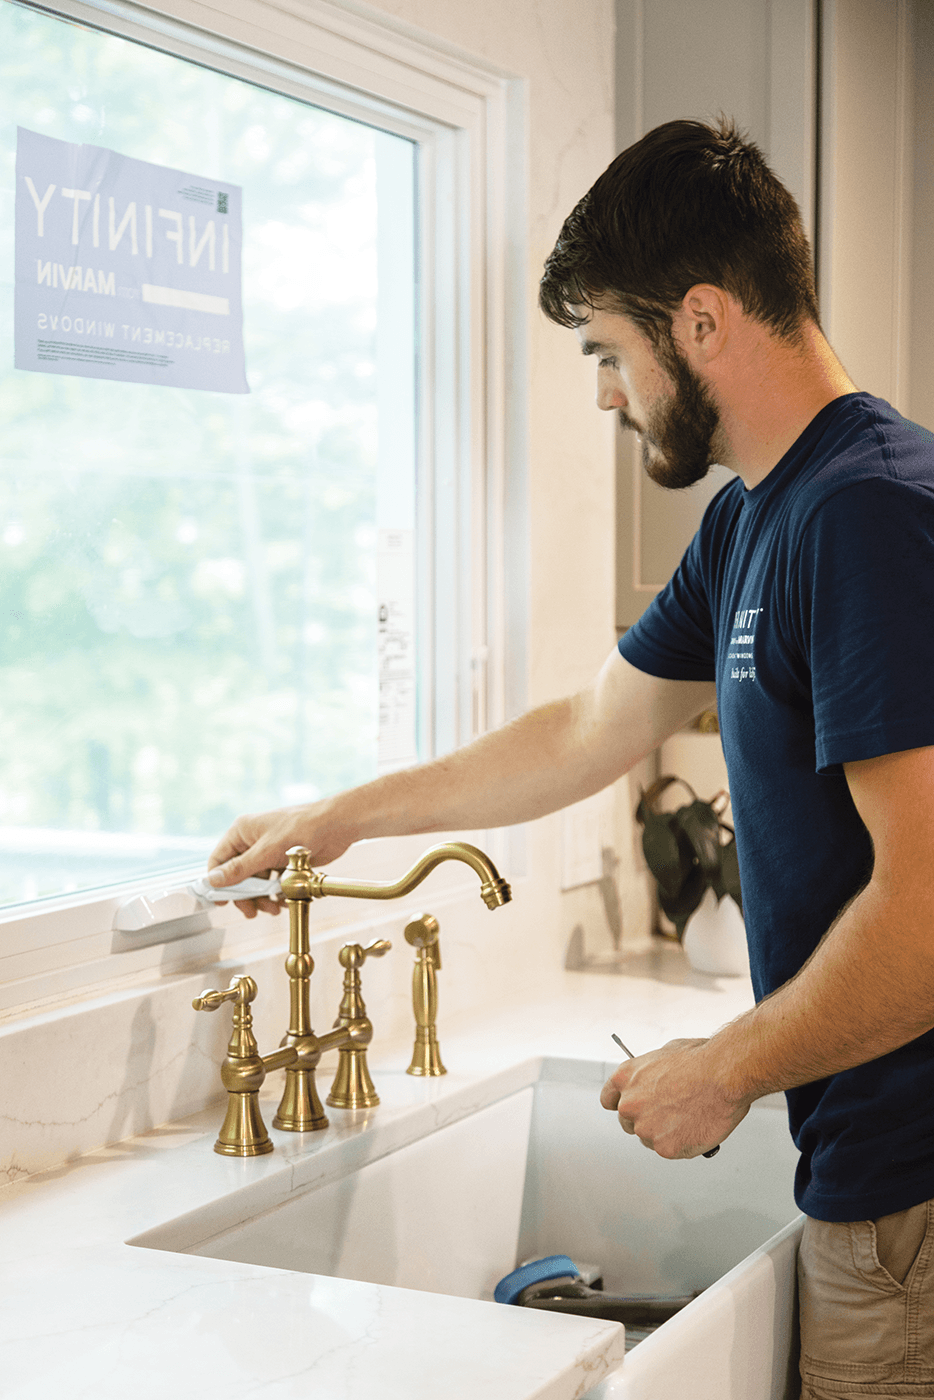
(688, 203)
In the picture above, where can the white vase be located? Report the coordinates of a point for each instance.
(715, 938)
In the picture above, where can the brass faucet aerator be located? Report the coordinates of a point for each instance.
(496, 893)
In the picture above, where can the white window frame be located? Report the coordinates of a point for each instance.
(469, 121)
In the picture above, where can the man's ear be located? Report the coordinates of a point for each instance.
(701, 323)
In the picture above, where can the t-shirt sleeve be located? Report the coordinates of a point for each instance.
(673, 638)
(865, 616)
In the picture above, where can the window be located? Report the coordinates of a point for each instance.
(197, 576)
(191, 576)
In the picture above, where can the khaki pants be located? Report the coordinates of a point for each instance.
(866, 1293)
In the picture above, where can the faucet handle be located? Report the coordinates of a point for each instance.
(242, 990)
(353, 1087)
(353, 955)
(243, 1132)
(351, 958)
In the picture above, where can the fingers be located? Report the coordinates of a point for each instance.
(231, 872)
(250, 856)
(669, 1100)
(261, 842)
(253, 858)
(628, 1126)
(239, 855)
(263, 906)
(249, 847)
(610, 1093)
(231, 845)
(259, 845)
(251, 907)
(269, 906)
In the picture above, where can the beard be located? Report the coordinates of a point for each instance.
(681, 437)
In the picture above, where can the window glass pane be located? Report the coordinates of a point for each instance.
(188, 625)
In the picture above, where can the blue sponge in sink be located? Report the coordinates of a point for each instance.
(537, 1271)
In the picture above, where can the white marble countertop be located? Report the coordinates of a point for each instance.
(86, 1314)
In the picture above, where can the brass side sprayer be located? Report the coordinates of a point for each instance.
(422, 933)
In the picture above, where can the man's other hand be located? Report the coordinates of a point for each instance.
(671, 1100)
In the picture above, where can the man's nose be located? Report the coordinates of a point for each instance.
(610, 394)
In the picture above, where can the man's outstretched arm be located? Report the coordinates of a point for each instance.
(547, 758)
(868, 988)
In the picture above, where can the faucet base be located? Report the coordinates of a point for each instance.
(300, 1110)
(243, 1132)
(353, 1087)
(426, 1054)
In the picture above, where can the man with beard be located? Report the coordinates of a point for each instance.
(803, 606)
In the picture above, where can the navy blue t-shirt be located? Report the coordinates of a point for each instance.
(810, 601)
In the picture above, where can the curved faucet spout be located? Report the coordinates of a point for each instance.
(494, 890)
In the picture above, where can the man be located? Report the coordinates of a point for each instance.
(805, 604)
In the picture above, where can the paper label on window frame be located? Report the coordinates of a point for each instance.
(126, 270)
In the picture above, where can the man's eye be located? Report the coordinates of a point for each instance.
(606, 364)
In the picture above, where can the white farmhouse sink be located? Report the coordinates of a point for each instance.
(542, 1169)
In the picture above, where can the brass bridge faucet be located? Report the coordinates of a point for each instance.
(243, 1133)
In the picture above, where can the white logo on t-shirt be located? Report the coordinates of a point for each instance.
(741, 644)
